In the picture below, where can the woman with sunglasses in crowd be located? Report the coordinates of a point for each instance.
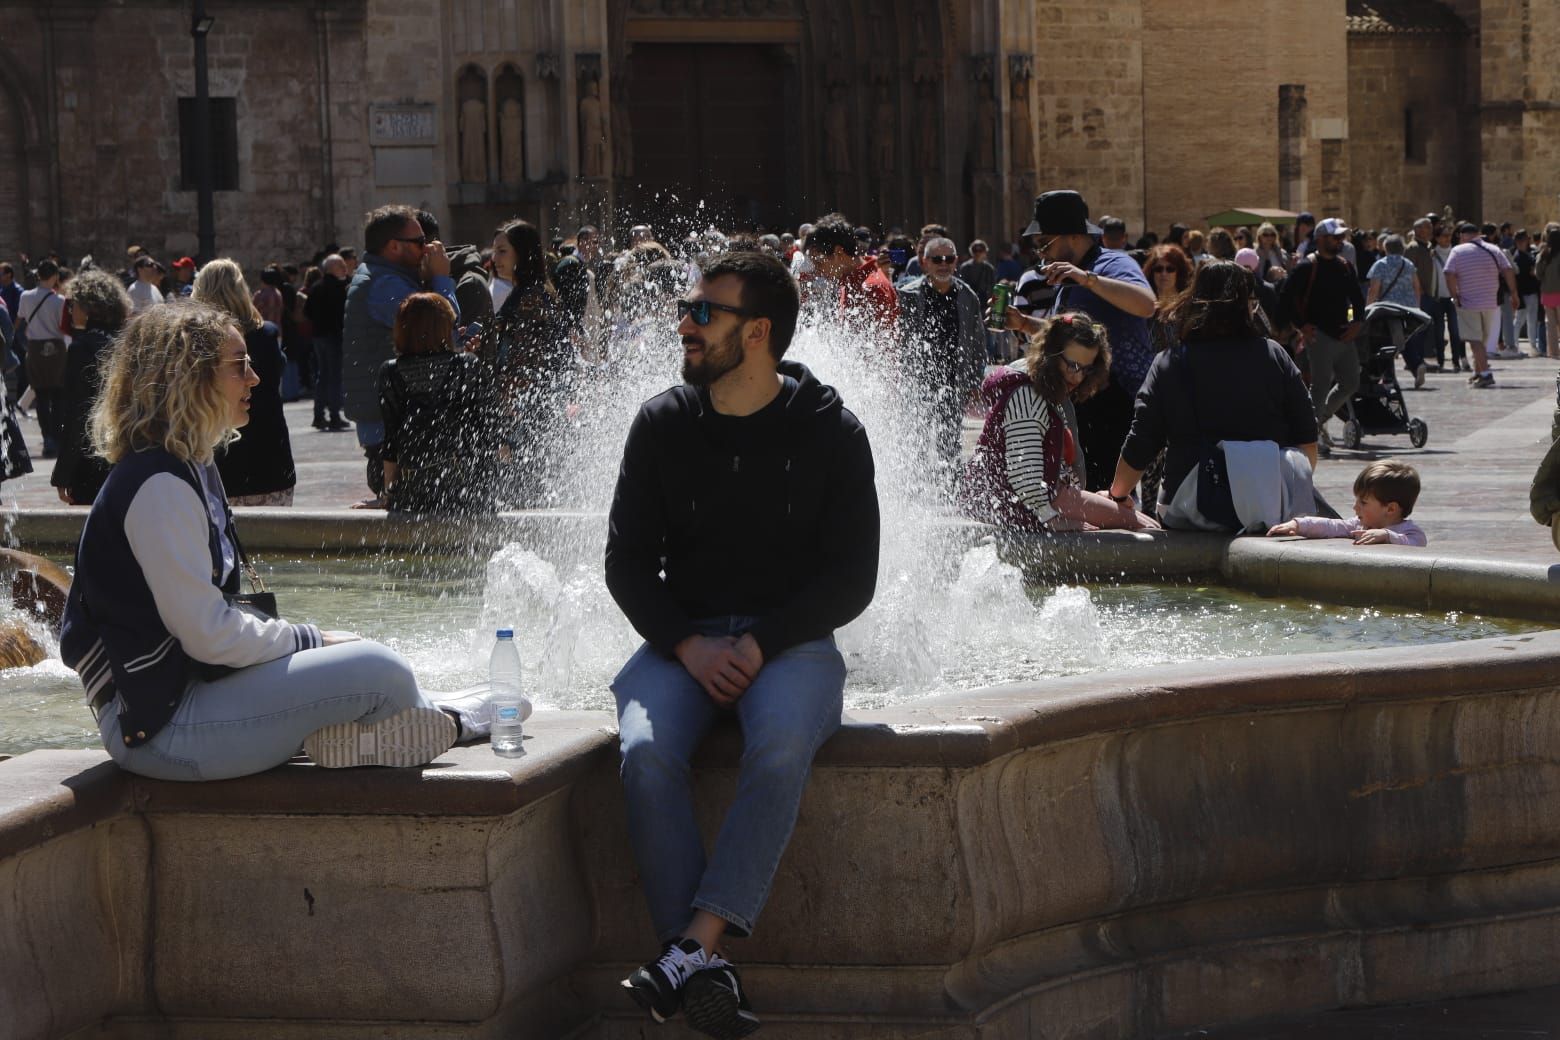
(185, 683)
(1024, 473)
(1275, 261)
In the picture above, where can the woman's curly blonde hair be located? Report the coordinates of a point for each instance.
(160, 386)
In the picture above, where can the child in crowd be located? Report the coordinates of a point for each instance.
(1384, 495)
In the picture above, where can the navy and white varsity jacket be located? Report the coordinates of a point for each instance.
(147, 599)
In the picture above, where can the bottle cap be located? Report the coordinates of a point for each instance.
(506, 633)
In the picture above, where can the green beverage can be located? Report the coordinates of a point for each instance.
(1000, 294)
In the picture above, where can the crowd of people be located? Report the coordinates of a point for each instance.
(442, 434)
(1184, 383)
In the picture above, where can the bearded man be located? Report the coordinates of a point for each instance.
(743, 532)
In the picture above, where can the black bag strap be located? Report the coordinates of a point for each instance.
(46, 298)
(1395, 278)
(1305, 301)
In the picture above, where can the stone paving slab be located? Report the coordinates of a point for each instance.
(1476, 468)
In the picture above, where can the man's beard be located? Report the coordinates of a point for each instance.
(715, 359)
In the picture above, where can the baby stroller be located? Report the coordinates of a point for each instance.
(1377, 407)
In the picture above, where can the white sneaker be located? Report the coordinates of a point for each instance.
(473, 706)
(413, 737)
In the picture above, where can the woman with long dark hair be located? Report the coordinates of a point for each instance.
(529, 348)
(1223, 381)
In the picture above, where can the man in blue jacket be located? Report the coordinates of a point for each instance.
(400, 261)
(743, 532)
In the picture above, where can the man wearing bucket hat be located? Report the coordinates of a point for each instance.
(1109, 287)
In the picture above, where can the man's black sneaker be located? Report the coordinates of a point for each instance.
(658, 986)
(716, 1003)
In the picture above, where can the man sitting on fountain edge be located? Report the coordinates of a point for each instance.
(743, 532)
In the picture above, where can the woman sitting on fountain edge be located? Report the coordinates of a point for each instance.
(1023, 472)
(184, 684)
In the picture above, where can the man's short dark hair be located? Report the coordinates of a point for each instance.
(830, 231)
(382, 226)
(934, 231)
(768, 291)
(429, 224)
(586, 230)
(6, 268)
(1488, 229)
(347, 254)
(1113, 226)
(47, 269)
(1467, 228)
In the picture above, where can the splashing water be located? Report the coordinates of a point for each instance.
(948, 614)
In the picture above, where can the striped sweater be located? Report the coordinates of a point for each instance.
(147, 602)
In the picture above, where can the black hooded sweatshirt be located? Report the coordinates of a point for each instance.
(772, 515)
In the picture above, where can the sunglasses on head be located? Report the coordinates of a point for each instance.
(699, 310)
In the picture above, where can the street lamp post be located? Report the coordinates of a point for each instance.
(200, 27)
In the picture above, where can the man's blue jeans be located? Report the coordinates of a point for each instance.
(791, 708)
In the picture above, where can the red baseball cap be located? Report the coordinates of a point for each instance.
(184, 261)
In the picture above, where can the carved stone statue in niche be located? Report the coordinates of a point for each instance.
(883, 127)
(926, 152)
(1022, 134)
(1023, 129)
(473, 141)
(511, 141)
(836, 136)
(622, 132)
(593, 132)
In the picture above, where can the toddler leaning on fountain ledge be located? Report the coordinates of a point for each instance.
(186, 685)
(1384, 495)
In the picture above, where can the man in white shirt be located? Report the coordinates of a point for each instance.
(42, 313)
(144, 291)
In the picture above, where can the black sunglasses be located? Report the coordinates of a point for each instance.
(420, 240)
(699, 310)
(941, 259)
(1069, 365)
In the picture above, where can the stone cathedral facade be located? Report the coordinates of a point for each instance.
(768, 112)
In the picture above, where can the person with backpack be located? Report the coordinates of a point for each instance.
(441, 428)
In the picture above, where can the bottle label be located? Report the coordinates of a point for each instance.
(508, 713)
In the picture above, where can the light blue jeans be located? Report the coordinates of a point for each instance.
(256, 718)
(787, 713)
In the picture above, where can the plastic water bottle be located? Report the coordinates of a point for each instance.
(508, 702)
